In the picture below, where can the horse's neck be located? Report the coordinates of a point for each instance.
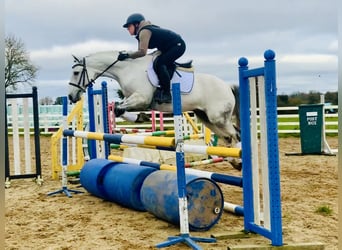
(131, 67)
(122, 70)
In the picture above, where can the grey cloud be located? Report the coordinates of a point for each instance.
(217, 32)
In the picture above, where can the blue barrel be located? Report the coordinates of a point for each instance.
(115, 181)
(91, 176)
(159, 195)
(122, 184)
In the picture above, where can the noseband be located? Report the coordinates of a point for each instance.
(84, 80)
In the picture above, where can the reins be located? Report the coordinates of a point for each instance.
(84, 75)
(106, 69)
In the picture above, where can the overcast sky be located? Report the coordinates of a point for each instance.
(303, 33)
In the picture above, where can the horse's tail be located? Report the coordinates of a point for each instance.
(236, 111)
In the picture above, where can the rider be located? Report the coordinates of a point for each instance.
(149, 36)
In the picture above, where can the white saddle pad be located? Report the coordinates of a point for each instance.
(185, 78)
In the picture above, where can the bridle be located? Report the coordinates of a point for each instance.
(84, 80)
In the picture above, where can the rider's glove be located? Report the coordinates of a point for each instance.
(123, 56)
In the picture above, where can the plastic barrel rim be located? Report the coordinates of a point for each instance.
(159, 194)
(91, 176)
(123, 182)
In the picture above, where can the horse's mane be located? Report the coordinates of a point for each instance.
(113, 54)
(116, 52)
(107, 52)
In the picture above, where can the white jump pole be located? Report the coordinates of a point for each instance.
(15, 131)
(325, 145)
(27, 141)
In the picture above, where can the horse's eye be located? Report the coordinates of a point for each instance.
(76, 73)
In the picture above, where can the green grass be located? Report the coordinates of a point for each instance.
(297, 127)
(284, 127)
(324, 210)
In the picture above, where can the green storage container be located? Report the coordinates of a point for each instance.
(311, 122)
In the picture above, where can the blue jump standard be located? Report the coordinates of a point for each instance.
(187, 239)
(66, 191)
(184, 237)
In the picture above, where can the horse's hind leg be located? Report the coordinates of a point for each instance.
(234, 141)
(231, 140)
(221, 124)
(224, 127)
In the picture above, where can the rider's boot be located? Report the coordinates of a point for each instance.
(164, 95)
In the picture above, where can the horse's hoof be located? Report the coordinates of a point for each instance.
(237, 166)
(118, 111)
(142, 117)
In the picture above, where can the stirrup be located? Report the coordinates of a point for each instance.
(162, 97)
(166, 97)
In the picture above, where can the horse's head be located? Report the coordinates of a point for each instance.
(81, 77)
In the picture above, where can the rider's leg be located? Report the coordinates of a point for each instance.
(165, 67)
(164, 81)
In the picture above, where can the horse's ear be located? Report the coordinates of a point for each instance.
(76, 60)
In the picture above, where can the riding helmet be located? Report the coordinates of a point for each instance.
(133, 19)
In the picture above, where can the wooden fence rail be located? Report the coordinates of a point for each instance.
(288, 120)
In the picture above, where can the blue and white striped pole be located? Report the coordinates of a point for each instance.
(181, 181)
(104, 95)
(92, 128)
(65, 143)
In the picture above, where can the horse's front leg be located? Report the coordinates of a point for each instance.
(134, 102)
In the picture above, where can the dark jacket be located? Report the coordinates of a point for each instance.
(162, 39)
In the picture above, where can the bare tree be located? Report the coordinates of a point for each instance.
(46, 101)
(18, 66)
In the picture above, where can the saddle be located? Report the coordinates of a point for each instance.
(184, 73)
(186, 66)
